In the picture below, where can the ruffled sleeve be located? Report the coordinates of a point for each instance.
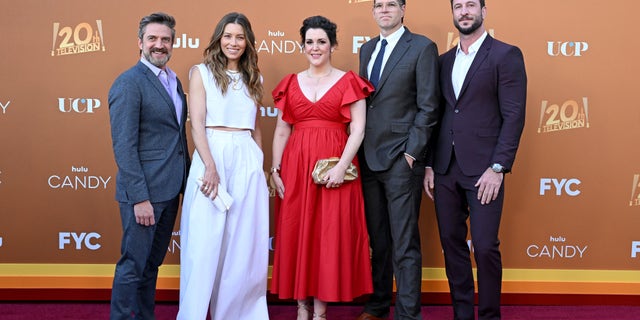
(280, 96)
(356, 88)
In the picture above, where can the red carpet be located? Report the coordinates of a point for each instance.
(167, 311)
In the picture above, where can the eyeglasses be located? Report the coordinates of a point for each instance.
(392, 5)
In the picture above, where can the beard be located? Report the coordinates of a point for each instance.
(469, 30)
(160, 63)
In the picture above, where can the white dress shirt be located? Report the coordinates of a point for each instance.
(463, 63)
(392, 40)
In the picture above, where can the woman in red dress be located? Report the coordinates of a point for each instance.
(322, 245)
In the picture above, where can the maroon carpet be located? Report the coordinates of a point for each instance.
(85, 311)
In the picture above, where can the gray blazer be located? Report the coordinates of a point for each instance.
(149, 144)
(402, 112)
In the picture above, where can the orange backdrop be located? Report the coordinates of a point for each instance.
(571, 217)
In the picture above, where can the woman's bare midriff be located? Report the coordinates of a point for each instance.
(227, 129)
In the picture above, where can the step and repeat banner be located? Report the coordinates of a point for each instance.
(572, 215)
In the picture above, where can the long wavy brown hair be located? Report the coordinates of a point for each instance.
(216, 61)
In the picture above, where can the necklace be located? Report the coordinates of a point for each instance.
(315, 87)
(318, 78)
(234, 77)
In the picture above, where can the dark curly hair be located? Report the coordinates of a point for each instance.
(320, 22)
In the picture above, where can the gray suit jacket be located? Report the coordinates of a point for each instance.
(402, 112)
(149, 144)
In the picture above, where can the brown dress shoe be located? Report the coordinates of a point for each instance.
(367, 316)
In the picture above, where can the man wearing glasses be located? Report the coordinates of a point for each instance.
(401, 114)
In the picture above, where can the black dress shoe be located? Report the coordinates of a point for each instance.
(368, 316)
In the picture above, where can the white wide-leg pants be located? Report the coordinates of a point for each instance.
(224, 255)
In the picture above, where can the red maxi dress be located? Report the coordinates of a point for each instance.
(321, 241)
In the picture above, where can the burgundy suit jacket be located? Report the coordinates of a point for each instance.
(486, 121)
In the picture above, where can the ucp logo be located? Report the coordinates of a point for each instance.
(567, 49)
(79, 105)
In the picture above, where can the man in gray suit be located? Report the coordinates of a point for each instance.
(148, 109)
(401, 114)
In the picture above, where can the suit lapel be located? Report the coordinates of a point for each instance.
(155, 82)
(447, 68)
(396, 55)
(366, 56)
(184, 104)
(479, 59)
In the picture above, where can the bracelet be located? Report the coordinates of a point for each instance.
(275, 170)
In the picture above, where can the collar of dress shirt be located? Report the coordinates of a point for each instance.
(393, 38)
(474, 47)
(156, 70)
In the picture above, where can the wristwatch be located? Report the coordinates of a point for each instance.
(497, 168)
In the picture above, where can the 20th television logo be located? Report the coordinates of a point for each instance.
(81, 38)
(568, 115)
(635, 191)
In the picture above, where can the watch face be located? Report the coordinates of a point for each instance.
(497, 168)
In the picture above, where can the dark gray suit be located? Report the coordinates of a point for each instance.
(401, 114)
(150, 149)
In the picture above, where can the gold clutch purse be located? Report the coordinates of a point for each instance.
(324, 165)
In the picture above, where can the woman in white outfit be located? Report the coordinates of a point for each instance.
(224, 253)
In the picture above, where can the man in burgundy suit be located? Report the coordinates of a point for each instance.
(484, 86)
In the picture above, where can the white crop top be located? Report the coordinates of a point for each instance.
(235, 109)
